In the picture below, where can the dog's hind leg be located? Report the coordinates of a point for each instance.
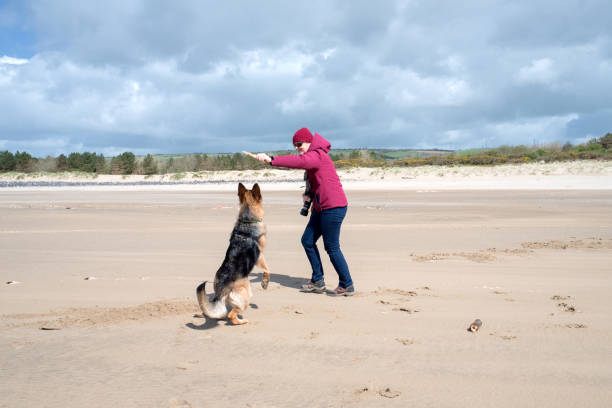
(265, 279)
(232, 316)
(238, 299)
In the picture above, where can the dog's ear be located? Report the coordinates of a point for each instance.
(256, 193)
(241, 191)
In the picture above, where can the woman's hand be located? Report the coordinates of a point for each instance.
(262, 157)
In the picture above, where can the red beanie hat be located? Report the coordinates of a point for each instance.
(303, 135)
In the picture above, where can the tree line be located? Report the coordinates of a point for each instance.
(125, 163)
(128, 163)
(594, 149)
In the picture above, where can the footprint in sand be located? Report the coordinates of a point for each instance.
(400, 292)
(313, 335)
(292, 310)
(185, 365)
(405, 309)
(178, 403)
(559, 297)
(500, 292)
(575, 326)
(564, 306)
(508, 337)
(383, 392)
(504, 336)
(389, 393)
(404, 296)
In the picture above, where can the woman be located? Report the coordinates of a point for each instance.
(329, 208)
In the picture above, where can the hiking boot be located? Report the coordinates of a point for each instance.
(314, 287)
(340, 291)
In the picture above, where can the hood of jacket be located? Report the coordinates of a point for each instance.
(318, 142)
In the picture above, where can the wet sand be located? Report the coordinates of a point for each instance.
(534, 266)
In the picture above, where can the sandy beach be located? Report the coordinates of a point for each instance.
(98, 307)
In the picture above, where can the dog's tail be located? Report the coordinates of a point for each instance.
(215, 310)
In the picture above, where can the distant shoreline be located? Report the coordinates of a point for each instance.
(57, 183)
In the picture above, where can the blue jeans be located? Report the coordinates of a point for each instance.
(326, 223)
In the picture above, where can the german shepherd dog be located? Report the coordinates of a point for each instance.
(247, 242)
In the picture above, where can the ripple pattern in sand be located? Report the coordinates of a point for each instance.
(490, 254)
(101, 316)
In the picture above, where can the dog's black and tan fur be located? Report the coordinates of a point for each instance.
(247, 242)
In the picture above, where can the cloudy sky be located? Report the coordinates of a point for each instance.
(210, 76)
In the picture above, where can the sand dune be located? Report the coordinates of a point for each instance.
(581, 175)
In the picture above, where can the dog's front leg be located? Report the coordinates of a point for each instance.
(265, 279)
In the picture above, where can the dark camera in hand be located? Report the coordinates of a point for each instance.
(306, 206)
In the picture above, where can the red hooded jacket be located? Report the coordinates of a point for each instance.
(325, 184)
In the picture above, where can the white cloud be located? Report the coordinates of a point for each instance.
(408, 89)
(298, 103)
(12, 61)
(258, 63)
(328, 53)
(9, 67)
(454, 63)
(538, 71)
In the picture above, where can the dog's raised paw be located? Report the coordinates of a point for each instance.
(264, 283)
